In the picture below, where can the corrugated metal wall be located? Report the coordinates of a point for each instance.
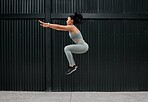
(116, 61)
(22, 6)
(33, 58)
(100, 6)
(22, 47)
(22, 55)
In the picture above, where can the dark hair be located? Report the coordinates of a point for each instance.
(77, 18)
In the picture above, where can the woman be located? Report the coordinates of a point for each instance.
(80, 45)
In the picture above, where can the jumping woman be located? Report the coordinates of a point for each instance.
(80, 45)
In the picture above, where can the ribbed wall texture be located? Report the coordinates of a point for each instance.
(116, 61)
(22, 44)
(21, 6)
(100, 6)
(22, 55)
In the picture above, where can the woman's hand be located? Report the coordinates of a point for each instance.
(43, 24)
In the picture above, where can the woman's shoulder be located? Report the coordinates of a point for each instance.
(70, 28)
(74, 30)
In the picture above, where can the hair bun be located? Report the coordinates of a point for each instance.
(76, 14)
(78, 17)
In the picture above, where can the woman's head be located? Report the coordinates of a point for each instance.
(74, 19)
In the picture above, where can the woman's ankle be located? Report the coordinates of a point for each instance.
(72, 65)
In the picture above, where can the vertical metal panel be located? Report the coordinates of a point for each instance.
(22, 47)
(22, 56)
(48, 47)
(116, 61)
(66, 6)
(100, 6)
(22, 6)
(138, 6)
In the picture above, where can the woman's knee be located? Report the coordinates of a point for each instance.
(66, 48)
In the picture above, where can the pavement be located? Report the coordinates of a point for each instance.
(25, 96)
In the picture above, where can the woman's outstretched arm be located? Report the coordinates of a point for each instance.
(56, 26)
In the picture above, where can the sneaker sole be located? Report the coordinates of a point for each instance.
(72, 70)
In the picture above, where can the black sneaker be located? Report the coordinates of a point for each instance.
(71, 69)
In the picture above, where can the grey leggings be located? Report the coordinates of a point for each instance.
(77, 48)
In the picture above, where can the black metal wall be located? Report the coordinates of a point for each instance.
(116, 61)
(100, 6)
(22, 45)
(117, 36)
(32, 58)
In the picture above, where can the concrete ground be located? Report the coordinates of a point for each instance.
(17, 96)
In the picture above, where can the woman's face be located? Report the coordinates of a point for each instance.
(69, 21)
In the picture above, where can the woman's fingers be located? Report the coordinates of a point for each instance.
(43, 25)
(40, 21)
